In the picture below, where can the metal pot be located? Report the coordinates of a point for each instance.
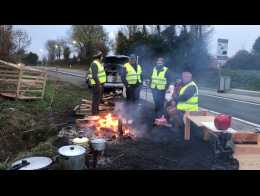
(98, 144)
(72, 157)
(32, 163)
(81, 141)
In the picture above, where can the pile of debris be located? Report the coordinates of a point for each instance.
(107, 104)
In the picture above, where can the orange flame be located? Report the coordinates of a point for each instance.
(109, 125)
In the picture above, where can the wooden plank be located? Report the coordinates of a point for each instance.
(11, 95)
(44, 85)
(28, 90)
(9, 75)
(33, 77)
(249, 162)
(245, 137)
(246, 149)
(186, 128)
(19, 83)
(4, 67)
(10, 64)
(25, 81)
(205, 134)
(86, 101)
(199, 119)
(9, 80)
(8, 72)
(34, 87)
(25, 97)
(199, 113)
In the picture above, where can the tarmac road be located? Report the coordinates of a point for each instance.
(245, 111)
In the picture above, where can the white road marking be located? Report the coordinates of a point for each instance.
(230, 99)
(238, 119)
(247, 91)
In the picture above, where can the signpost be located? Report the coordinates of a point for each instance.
(222, 52)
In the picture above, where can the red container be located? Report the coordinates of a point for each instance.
(222, 121)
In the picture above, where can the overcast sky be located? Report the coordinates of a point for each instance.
(239, 36)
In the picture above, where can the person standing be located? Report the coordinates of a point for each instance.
(132, 79)
(97, 78)
(160, 80)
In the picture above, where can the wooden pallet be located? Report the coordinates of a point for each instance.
(21, 82)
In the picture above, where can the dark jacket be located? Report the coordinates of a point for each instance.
(94, 69)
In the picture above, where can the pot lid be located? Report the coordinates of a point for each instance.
(35, 163)
(80, 140)
(71, 150)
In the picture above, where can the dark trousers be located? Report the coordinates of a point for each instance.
(158, 97)
(97, 93)
(133, 93)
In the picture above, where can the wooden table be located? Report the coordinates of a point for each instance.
(197, 120)
(248, 155)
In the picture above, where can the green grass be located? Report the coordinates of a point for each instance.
(244, 79)
(65, 97)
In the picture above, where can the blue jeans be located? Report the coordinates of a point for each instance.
(158, 97)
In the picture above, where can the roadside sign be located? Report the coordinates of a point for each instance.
(222, 51)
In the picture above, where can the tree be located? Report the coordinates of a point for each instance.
(6, 41)
(21, 39)
(121, 44)
(180, 45)
(244, 60)
(44, 60)
(89, 38)
(30, 59)
(256, 46)
(52, 51)
(66, 53)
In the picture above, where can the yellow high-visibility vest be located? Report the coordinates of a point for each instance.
(158, 80)
(192, 103)
(133, 76)
(101, 74)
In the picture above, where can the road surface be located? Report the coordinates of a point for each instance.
(240, 105)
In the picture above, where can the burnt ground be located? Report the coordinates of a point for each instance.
(160, 148)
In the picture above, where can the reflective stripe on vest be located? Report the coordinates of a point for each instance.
(192, 103)
(101, 74)
(132, 76)
(158, 80)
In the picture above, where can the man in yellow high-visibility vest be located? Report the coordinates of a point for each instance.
(187, 98)
(97, 78)
(160, 80)
(132, 79)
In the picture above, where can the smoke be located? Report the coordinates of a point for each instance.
(136, 115)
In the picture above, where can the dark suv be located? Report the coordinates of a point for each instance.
(113, 66)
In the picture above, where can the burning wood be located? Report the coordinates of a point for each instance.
(107, 126)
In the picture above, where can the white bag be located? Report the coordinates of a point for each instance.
(169, 93)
